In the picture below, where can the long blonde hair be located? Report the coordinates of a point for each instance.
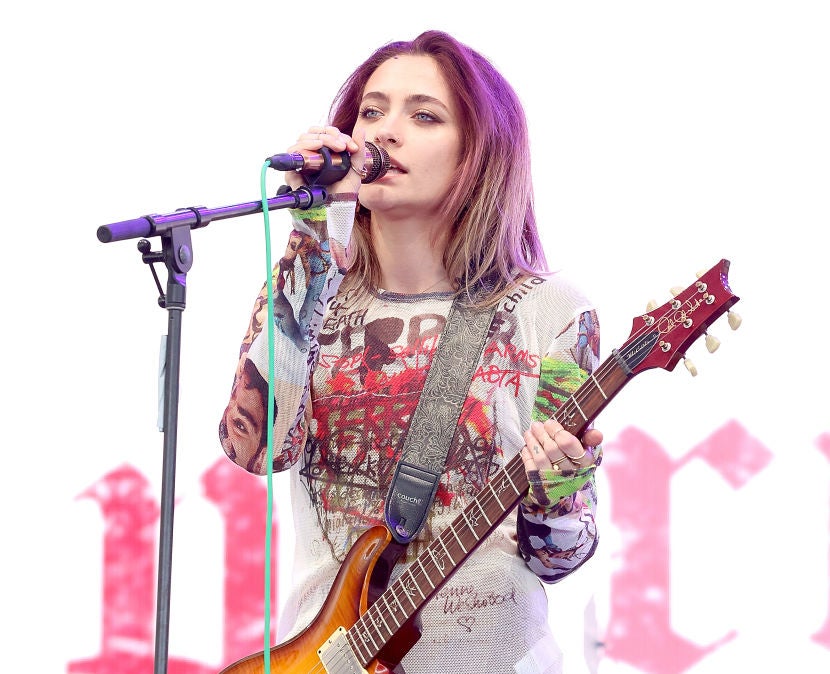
(493, 240)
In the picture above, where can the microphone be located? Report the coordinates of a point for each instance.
(325, 167)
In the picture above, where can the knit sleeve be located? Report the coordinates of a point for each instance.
(556, 524)
(304, 280)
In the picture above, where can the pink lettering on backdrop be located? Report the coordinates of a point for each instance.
(640, 601)
(242, 501)
(823, 635)
(639, 630)
(131, 519)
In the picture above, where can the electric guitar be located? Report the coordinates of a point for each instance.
(366, 627)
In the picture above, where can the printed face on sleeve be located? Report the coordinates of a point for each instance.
(244, 418)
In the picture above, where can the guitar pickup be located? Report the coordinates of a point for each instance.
(337, 655)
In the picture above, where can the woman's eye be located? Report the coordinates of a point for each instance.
(422, 116)
(369, 113)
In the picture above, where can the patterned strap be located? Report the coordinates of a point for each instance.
(435, 420)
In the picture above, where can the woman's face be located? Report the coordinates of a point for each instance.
(408, 108)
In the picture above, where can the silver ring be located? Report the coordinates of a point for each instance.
(362, 172)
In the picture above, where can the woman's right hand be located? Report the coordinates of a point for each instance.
(331, 137)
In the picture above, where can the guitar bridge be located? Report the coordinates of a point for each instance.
(337, 655)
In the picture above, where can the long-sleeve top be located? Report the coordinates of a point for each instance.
(348, 370)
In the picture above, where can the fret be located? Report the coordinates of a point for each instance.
(355, 647)
(471, 526)
(380, 613)
(368, 632)
(429, 580)
(512, 484)
(356, 637)
(492, 489)
(598, 386)
(438, 565)
(408, 592)
(415, 583)
(446, 552)
(483, 512)
(452, 528)
(576, 404)
(397, 601)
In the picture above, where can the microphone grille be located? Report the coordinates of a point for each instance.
(379, 165)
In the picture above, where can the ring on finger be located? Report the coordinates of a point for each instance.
(553, 437)
(555, 464)
(575, 459)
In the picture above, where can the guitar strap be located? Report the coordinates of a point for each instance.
(435, 420)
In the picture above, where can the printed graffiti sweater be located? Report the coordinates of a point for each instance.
(349, 368)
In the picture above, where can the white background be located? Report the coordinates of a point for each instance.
(665, 136)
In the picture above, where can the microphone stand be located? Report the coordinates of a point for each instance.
(177, 255)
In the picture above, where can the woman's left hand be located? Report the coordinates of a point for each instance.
(549, 446)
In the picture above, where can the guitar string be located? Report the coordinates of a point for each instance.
(605, 369)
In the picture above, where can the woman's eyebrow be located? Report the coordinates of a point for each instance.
(411, 99)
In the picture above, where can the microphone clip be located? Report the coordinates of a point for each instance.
(333, 167)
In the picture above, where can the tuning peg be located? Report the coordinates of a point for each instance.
(690, 366)
(734, 320)
(651, 306)
(676, 291)
(701, 272)
(712, 343)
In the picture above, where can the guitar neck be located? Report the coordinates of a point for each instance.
(433, 567)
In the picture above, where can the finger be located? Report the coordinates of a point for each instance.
(313, 132)
(552, 426)
(358, 141)
(338, 140)
(307, 143)
(539, 445)
(568, 447)
(535, 450)
(592, 437)
(333, 139)
(550, 430)
(565, 441)
(528, 461)
(572, 448)
(329, 136)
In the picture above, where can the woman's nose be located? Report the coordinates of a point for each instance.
(388, 134)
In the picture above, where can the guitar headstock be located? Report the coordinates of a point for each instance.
(660, 337)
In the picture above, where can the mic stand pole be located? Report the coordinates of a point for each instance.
(177, 255)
